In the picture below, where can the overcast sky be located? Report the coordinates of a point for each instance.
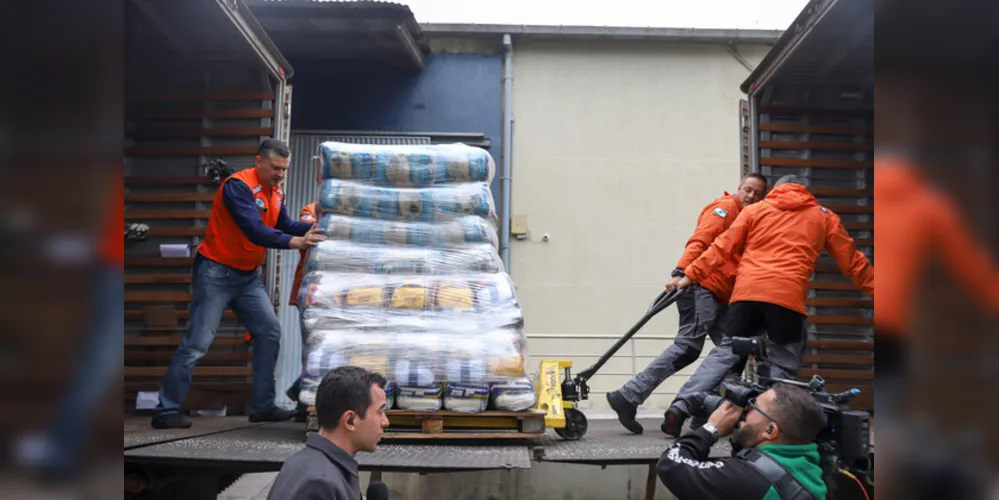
(743, 14)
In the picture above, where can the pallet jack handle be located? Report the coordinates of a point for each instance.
(664, 300)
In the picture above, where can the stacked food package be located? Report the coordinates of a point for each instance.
(410, 283)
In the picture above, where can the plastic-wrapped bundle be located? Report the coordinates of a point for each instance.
(450, 233)
(347, 257)
(466, 398)
(416, 358)
(438, 203)
(370, 299)
(390, 393)
(330, 349)
(410, 282)
(513, 395)
(419, 398)
(406, 166)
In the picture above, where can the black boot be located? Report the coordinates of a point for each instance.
(625, 412)
(673, 421)
(273, 414)
(170, 421)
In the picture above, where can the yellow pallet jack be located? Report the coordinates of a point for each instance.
(559, 393)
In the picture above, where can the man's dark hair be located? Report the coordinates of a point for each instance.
(345, 388)
(758, 176)
(273, 147)
(798, 414)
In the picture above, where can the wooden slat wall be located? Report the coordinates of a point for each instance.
(834, 150)
(170, 133)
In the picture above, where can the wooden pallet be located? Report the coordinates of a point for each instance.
(404, 424)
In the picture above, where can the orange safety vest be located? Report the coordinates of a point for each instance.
(225, 242)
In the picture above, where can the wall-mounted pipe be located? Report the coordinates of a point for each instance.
(505, 170)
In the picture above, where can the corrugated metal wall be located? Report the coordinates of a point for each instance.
(300, 188)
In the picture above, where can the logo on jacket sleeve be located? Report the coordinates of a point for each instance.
(260, 204)
(721, 212)
(823, 209)
(306, 217)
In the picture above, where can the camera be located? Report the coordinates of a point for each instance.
(844, 443)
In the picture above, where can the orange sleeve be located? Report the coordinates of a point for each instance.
(307, 214)
(730, 242)
(851, 262)
(969, 262)
(713, 221)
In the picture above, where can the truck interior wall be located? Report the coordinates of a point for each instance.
(181, 112)
(825, 134)
(459, 93)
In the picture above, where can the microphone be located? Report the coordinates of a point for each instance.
(377, 490)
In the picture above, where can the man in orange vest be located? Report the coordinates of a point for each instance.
(698, 310)
(780, 240)
(248, 216)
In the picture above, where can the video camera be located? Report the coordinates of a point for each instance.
(844, 443)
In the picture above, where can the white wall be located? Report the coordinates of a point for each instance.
(617, 147)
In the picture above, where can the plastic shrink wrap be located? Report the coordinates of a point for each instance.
(409, 282)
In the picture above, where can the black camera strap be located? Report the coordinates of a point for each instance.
(786, 485)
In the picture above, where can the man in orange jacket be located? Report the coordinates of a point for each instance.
(699, 310)
(780, 240)
(248, 216)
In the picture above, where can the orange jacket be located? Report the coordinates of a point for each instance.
(713, 221)
(224, 241)
(308, 214)
(780, 239)
(112, 250)
(912, 222)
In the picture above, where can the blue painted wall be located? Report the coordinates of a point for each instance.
(455, 93)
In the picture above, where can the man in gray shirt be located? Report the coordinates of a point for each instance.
(350, 406)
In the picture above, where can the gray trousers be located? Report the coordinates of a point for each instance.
(786, 333)
(699, 311)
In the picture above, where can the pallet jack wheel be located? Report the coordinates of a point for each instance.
(575, 425)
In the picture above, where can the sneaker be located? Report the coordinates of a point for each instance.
(170, 421)
(673, 421)
(273, 414)
(625, 412)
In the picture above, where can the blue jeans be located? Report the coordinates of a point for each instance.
(216, 287)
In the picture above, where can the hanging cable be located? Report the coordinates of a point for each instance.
(859, 483)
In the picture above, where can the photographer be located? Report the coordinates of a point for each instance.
(778, 434)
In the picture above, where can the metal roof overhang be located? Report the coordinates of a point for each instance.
(207, 32)
(311, 29)
(831, 42)
(691, 35)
